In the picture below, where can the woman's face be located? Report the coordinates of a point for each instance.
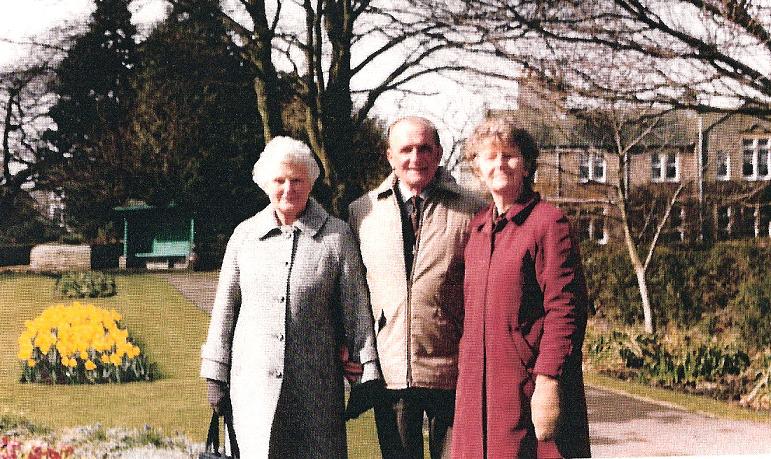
(501, 168)
(288, 190)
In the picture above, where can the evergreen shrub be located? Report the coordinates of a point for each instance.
(85, 284)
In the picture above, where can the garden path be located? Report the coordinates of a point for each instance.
(620, 425)
(196, 287)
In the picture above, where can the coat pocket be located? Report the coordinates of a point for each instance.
(524, 350)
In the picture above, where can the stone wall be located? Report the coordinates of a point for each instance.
(60, 257)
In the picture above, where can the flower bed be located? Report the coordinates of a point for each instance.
(80, 344)
(683, 360)
(15, 449)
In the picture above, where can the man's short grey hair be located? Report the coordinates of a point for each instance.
(284, 150)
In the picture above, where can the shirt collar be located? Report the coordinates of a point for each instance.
(311, 220)
(406, 194)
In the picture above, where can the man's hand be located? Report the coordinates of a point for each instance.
(218, 397)
(545, 407)
(351, 370)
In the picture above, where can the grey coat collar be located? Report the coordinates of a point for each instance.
(442, 181)
(311, 220)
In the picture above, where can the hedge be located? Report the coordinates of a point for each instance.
(724, 285)
(15, 254)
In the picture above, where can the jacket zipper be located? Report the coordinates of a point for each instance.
(409, 298)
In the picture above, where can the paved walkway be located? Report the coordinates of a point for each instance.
(623, 426)
(620, 425)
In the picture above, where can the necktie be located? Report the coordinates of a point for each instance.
(415, 214)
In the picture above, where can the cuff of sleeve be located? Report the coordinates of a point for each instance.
(211, 369)
(370, 372)
(367, 354)
(548, 367)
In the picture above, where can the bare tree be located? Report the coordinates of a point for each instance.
(628, 133)
(612, 57)
(345, 55)
(698, 54)
(25, 97)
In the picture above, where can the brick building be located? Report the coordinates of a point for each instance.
(721, 160)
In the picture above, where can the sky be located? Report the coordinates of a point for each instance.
(454, 110)
(24, 20)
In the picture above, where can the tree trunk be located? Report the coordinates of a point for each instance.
(642, 284)
(266, 89)
(638, 267)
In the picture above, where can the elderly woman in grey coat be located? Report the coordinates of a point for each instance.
(291, 295)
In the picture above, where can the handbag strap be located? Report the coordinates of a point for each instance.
(213, 437)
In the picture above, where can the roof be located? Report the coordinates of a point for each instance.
(574, 129)
(140, 206)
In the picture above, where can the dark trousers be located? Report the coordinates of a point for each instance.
(399, 421)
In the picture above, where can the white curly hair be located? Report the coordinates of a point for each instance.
(284, 150)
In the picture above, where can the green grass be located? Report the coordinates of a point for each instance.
(171, 330)
(688, 402)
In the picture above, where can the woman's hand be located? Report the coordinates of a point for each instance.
(217, 395)
(545, 407)
(351, 370)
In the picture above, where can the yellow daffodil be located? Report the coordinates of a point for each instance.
(65, 335)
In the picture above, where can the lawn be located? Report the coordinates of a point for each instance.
(171, 330)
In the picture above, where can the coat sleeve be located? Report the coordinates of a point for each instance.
(559, 274)
(215, 352)
(354, 299)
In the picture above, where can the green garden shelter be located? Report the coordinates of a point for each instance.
(156, 237)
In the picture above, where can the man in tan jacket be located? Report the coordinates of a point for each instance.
(412, 230)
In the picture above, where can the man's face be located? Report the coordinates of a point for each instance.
(413, 153)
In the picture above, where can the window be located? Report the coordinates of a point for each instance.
(723, 165)
(755, 158)
(591, 167)
(674, 229)
(744, 221)
(664, 167)
(591, 227)
(724, 222)
(676, 220)
(765, 222)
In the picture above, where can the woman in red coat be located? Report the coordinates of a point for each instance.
(520, 389)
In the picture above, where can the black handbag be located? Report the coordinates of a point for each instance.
(212, 450)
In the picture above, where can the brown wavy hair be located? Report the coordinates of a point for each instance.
(506, 130)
